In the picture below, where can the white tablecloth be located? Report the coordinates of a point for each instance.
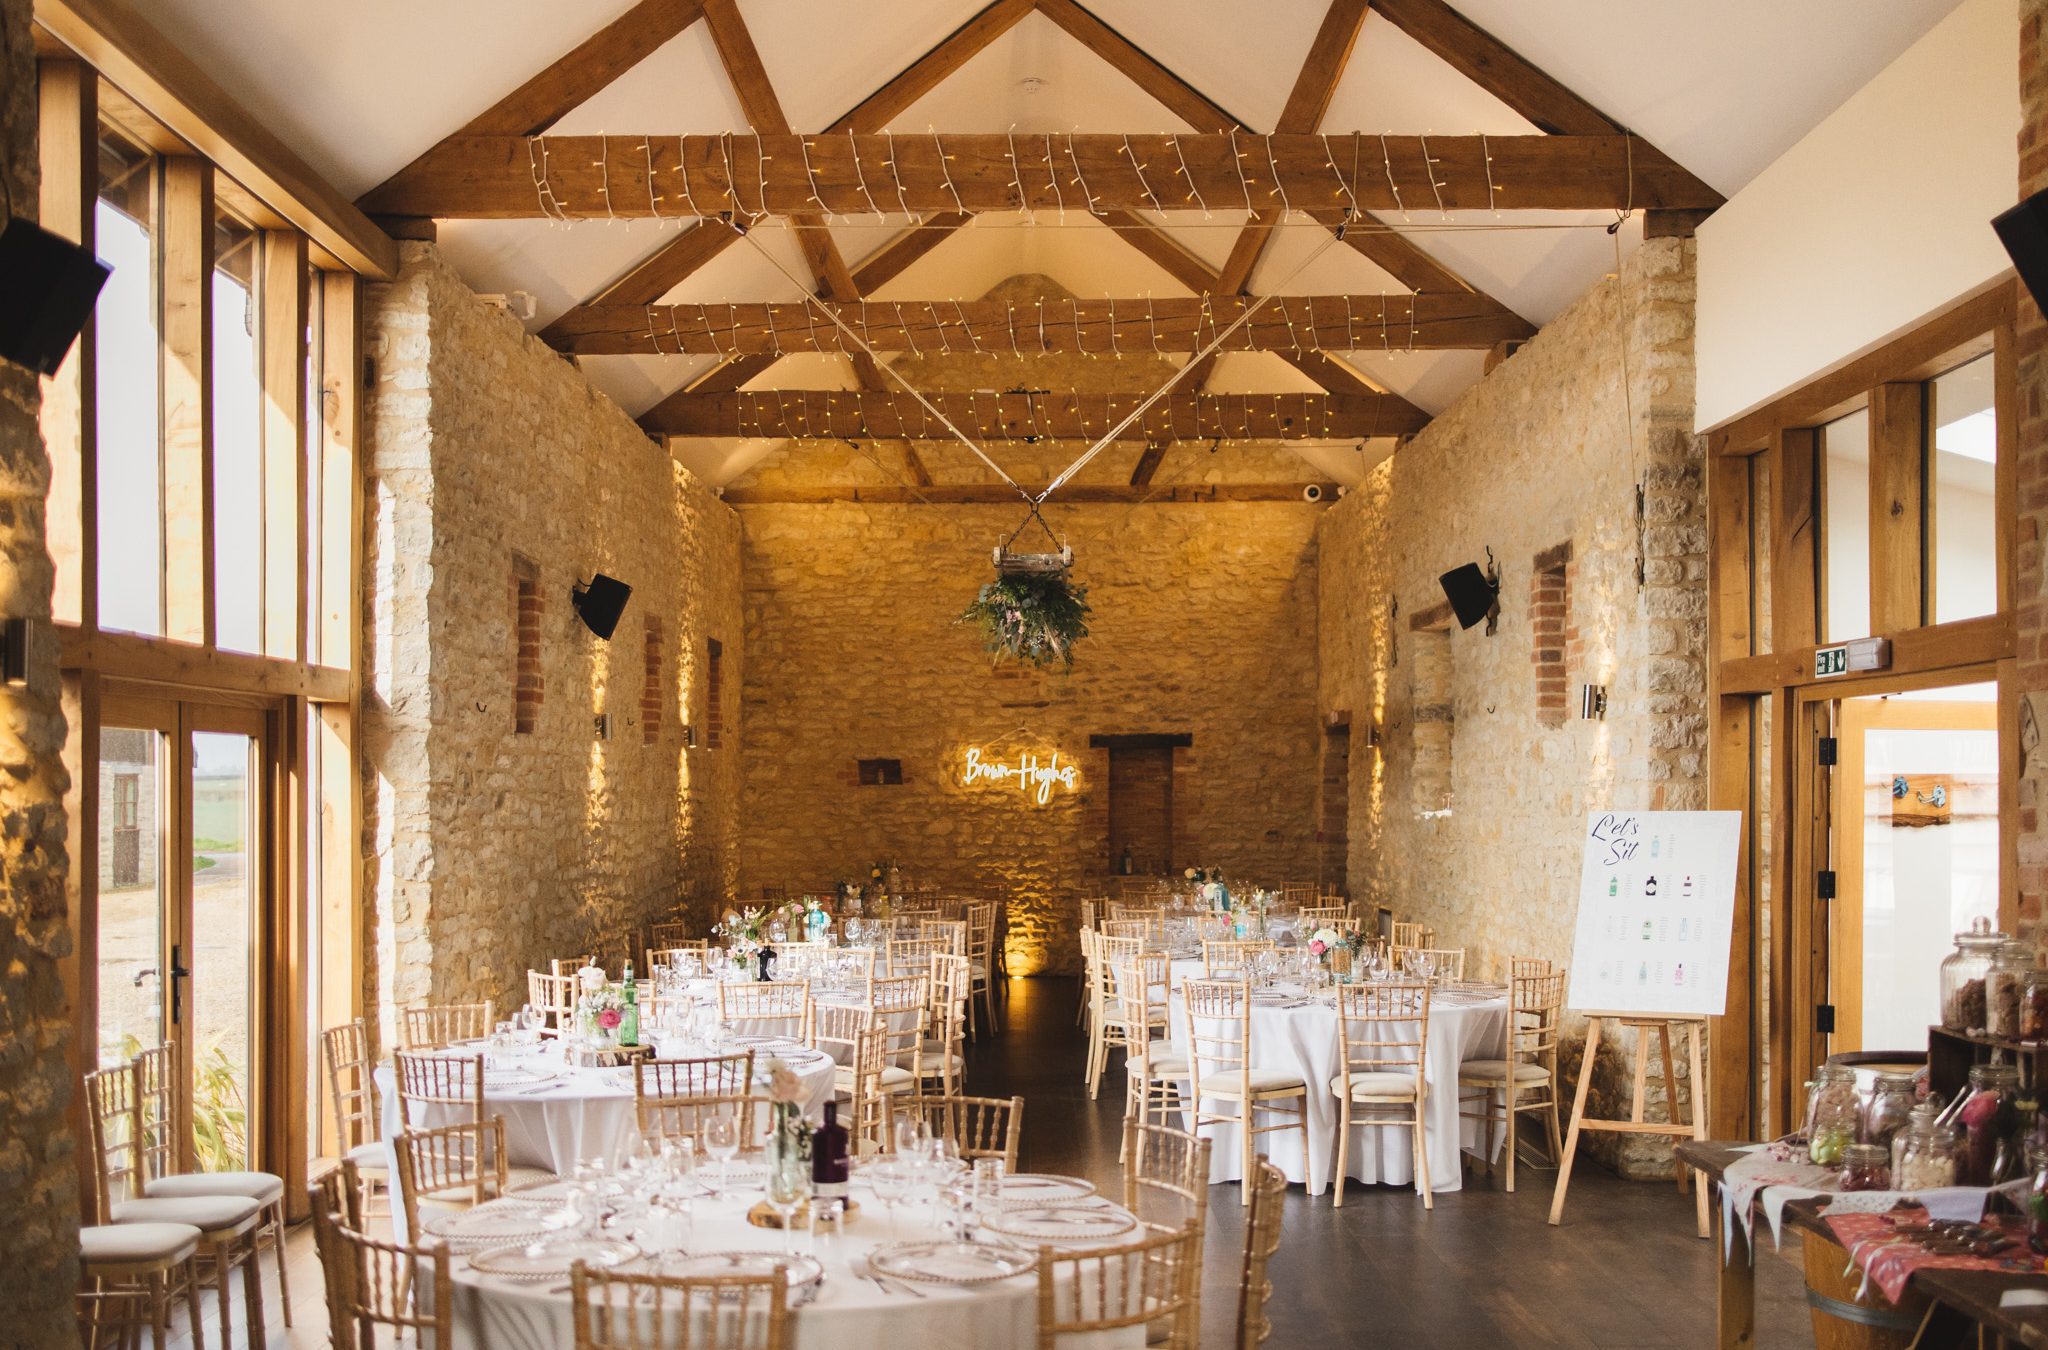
(584, 1113)
(849, 1312)
(1305, 1041)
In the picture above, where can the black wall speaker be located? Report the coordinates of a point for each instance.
(47, 288)
(600, 603)
(2024, 232)
(1471, 592)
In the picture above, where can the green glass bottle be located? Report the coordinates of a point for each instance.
(629, 1017)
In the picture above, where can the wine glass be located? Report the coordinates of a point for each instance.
(910, 1136)
(721, 1141)
(891, 1183)
(787, 1187)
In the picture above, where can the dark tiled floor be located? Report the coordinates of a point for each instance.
(1482, 1269)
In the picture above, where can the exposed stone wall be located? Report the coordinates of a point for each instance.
(38, 1177)
(492, 849)
(1546, 452)
(1203, 622)
(2032, 471)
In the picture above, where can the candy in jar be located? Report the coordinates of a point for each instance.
(1988, 1119)
(1891, 1107)
(2037, 1198)
(1963, 1006)
(1833, 1115)
(1865, 1167)
(1924, 1152)
(2002, 988)
(2034, 1006)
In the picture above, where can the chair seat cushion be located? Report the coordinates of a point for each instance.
(930, 1063)
(1385, 1083)
(1496, 1071)
(370, 1156)
(892, 1077)
(128, 1244)
(1263, 1081)
(1163, 1065)
(261, 1187)
(207, 1213)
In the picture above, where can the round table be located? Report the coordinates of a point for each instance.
(581, 1114)
(1301, 1037)
(849, 1312)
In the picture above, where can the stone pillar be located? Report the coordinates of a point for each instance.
(2031, 440)
(38, 1180)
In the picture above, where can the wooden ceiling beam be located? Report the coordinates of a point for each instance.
(599, 177)
(923, 75)
(1493, 66)
(999, 494)
(1138, 325)
(842, 415)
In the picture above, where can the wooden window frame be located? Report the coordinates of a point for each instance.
(1765, 550)
(306, 693)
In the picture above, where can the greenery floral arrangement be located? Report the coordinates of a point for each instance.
(746, 930)
(1035, 617)
(1198, 875)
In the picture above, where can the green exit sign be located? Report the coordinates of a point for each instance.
(1845, 658)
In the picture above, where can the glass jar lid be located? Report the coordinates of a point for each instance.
(1981, 935)
(1994, 1075)
(1898, 1081)
(1833, 1073)
(1866, 1155)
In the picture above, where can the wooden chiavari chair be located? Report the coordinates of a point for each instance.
(437, 1089)
(352, 1094)
(1226, 958)
(1136, 888)
(1210, 927)
(1445, 963)
(1522, 967)
(774, 894)
(980, 1127)
(1168, 1168)
(341, 1191)
(1154, 1280)
(436, 1025)
(450, 1167)
(691, 958)
(907, 956)
(1298, 894)
(371, 1283)
(900, 1006)
(953, 931)
(867, 1099)
(1151, 930)
(980, 917)
(1153, 1070)
(131, 1273)
(770, 1008)
(1091, 910)
(1413, 934)
(155, 1072)
(553, 997)
(1330, 916)
(941, 1060)
(1106, 1022)
(227, 1224)
(614, 1311)
(1527, 1079)
(1124, 911)
(669, 933)
(1384, 1032)
(1220, 1054)
(1261, 1240)
(668, 1094)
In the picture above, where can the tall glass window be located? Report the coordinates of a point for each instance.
(125, 347)
(1845, 526)
(237, 439)
(1962, 517)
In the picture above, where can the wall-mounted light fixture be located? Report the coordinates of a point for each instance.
(1593, 702)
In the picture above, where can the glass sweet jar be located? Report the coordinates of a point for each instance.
(1990, 1122)
(2003, 986)
(1924, 1153)
(1890, 1108)
(1963, 1006)
(1865, 1167)
(2034, 1005)
(1833, 1115)
(2037, 1197)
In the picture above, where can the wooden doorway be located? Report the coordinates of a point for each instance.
(1141, 806)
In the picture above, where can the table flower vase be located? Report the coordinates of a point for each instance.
(789, 1143)
(817, 921)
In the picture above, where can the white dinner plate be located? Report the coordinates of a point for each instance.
(541, 1260)
(487, 1226)
(1062, 1224)
(1036, 1190)
(805, 1273)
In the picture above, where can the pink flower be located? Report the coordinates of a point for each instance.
(1316, 948)
(609, 1018)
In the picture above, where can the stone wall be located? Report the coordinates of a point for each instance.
(38, 1176)
(1203, 623)
(1468, 814)
(491, 849)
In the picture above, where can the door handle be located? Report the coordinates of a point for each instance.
(178, 972)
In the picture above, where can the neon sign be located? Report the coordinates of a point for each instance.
(1029, 775)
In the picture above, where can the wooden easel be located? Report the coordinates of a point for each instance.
(1694, 1029)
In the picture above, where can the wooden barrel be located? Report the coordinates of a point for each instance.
(1841, 1320)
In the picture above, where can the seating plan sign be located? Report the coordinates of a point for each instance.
(1656, 908)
